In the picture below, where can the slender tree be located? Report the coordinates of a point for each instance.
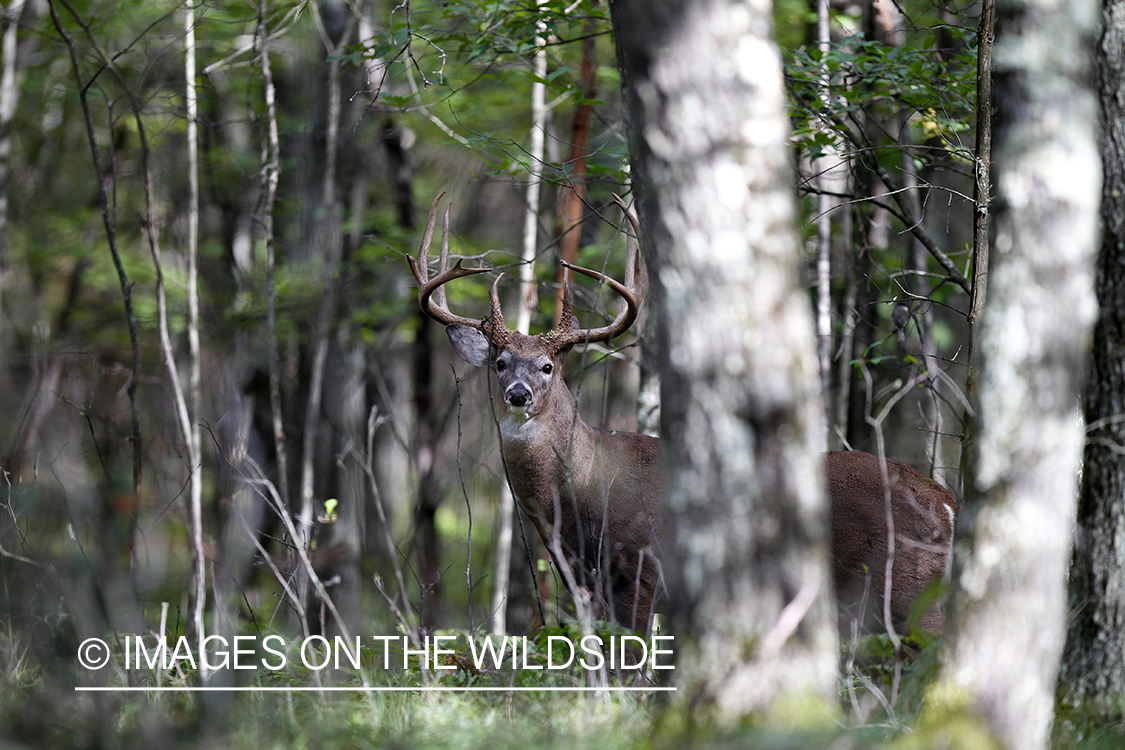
(741, 405)
(1093, 672)
(982, 197)
(528, 300)
(1009, 599)
(9, 97)
(194, 389)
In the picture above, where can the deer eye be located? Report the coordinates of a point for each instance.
(547, 368)
(500, 365)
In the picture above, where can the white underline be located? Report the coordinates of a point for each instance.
(338, 689)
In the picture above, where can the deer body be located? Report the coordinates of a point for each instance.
(595, 496)
(922, 513)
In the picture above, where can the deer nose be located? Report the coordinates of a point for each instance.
(518, 395)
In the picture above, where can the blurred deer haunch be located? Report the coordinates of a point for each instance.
(595, 498)
(917, 510)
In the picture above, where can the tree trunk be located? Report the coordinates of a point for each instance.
(426, 539)
(572, 194)
(982, 197)
(1009, 598)
(9, 98)
(1094, 663)
(746, 563)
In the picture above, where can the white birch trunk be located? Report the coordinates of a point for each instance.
(1009, 599)
(527, 302)
(742, 417)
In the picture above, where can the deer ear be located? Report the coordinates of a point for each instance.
(469, 343)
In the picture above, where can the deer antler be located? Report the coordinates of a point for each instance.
(431, 294)
(630, 292)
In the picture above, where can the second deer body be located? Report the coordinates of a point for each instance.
(595, 497)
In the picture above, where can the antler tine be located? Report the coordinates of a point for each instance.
(636, 277)
(441, 313)
(443, 258)
(564, 335)
(420, 268)
(497, 330)
(630, 292)
(431, 296)
(567, 306)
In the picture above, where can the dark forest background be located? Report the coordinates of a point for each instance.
(220, 406)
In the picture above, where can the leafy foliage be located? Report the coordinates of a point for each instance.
(468, 60)
(934, 88)
(456, 76)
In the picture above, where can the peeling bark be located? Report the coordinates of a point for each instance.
(1009, 599)
(1093, 672)
(742, 418)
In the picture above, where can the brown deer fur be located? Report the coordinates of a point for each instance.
(595, 496)
(922, 513)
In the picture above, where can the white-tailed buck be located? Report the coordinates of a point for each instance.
(595, 496)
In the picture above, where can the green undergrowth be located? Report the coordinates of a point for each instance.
(883, 703)
(38, 718)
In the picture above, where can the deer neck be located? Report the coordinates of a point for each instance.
(549, 453)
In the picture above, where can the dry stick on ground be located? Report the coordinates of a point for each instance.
(271, 495)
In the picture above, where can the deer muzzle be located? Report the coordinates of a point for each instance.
(517, 396)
